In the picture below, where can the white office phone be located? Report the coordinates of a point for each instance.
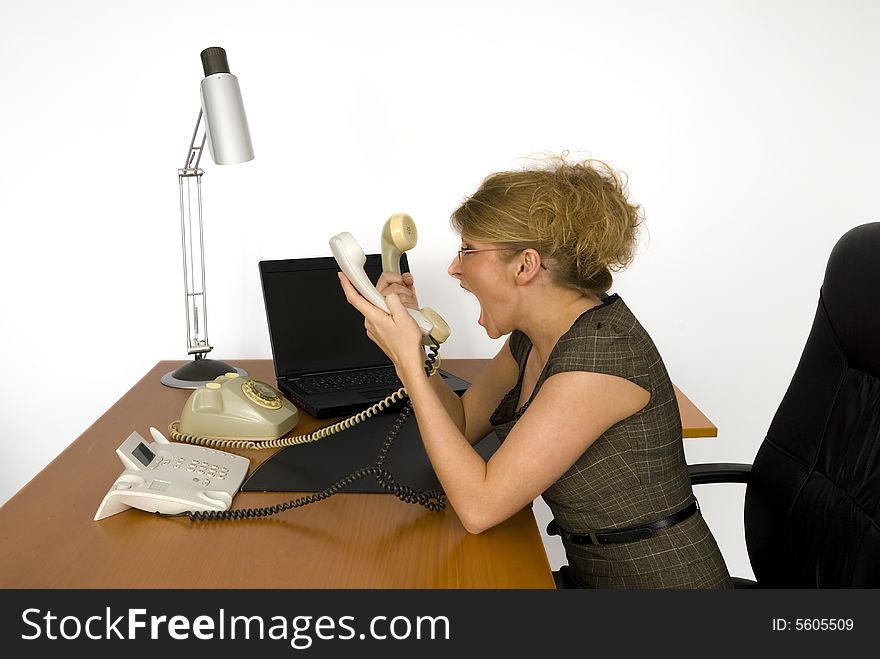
(167, 478)
(398, 235)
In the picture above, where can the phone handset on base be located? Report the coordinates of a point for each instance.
(398, 235)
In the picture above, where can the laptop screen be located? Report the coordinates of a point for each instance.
(312, 327)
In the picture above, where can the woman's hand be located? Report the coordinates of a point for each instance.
(401, 285)
(396, 333)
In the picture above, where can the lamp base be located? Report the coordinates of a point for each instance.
(198, 372)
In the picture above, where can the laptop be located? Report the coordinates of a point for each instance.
(324, 361)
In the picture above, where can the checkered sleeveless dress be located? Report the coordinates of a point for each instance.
(635, 473)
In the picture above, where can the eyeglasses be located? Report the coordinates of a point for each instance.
(462, 252)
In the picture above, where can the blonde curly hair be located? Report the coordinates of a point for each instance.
(575, 214)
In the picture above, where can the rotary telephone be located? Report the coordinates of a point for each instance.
(243, 413)
(232, 406)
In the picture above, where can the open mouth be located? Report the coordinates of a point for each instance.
(481, 319)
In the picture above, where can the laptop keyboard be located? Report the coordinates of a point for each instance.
(326, 383)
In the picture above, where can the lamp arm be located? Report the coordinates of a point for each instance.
(192, 244)
(194, 155)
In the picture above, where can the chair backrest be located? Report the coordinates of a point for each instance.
(812, 507)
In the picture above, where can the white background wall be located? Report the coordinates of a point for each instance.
(747, 130)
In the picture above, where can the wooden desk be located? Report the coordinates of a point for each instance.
(48, 538)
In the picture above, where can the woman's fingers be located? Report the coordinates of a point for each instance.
(402, 285)
(406, 279)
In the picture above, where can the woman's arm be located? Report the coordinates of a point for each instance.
(471, 411)
(483, 396)
(568, 414)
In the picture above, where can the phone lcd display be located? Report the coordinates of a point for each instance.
(143, 454)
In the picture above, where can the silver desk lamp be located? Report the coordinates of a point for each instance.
(226, 131)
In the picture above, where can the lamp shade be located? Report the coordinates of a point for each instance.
(229, 139)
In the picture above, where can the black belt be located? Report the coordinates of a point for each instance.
(614, 536)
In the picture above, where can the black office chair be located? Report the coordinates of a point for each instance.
(812, 503)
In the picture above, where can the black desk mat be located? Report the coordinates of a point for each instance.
(316, 466)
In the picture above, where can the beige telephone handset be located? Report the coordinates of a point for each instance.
(398, 235)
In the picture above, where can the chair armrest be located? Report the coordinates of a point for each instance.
(721, 472)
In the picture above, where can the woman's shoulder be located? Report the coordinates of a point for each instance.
(605, 339)
(611, 318)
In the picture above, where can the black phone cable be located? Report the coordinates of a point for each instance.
(433, 351)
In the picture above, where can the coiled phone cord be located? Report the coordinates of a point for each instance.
(433, 500)
(432, 364)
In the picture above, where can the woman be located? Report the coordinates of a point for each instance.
(578, 394)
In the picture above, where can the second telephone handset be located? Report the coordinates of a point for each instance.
(398, 235)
